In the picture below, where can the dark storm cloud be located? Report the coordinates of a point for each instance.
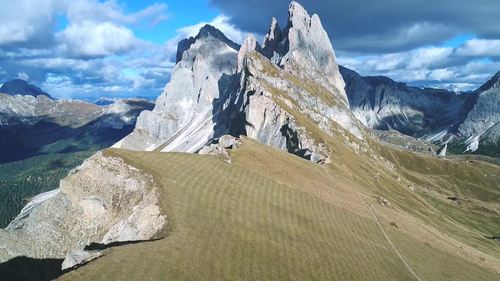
(367, 26)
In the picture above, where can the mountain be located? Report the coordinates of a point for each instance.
(21, 87)
(217, 90)
(280, 181)
(481, 128)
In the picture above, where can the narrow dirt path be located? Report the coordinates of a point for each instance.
(398, 253)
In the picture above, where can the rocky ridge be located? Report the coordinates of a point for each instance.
(383, 104)
(288, 94)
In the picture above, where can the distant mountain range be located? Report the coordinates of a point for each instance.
(469, 121)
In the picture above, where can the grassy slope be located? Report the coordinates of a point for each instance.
(274, 216)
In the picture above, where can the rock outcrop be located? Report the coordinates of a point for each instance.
(220, 149)
(103, 201)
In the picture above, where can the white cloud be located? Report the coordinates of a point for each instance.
(480, 47)
(24, 20)
(460, 68)
(93, 39)
(427, 57)
(23, 76)
(110, 11)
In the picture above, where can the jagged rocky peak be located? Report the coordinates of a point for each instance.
(271, 40)
(184, 115)
(208, 95)
(494, 82)
(207, 31)
(21, 87)
(304, 48)
(251, 44)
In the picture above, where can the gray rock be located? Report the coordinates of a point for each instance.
(441, 153)
(272, 39)
(305, 50)
(248, 46)
(79, 257)
(228, 142)
(186, 112)
(102, 201)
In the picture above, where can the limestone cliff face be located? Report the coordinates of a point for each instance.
(102, 201)
(185, 110)
(304, 49)
(279, 106)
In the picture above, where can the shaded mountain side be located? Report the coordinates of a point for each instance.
(467, 120)
(21, 87)
(480, 130)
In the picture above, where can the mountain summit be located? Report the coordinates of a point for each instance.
(21, 87)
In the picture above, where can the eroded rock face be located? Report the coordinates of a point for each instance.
(278, 103)
(220, 149)
(185, 113)
(102, 201)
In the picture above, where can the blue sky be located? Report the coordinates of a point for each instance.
(121, 48)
